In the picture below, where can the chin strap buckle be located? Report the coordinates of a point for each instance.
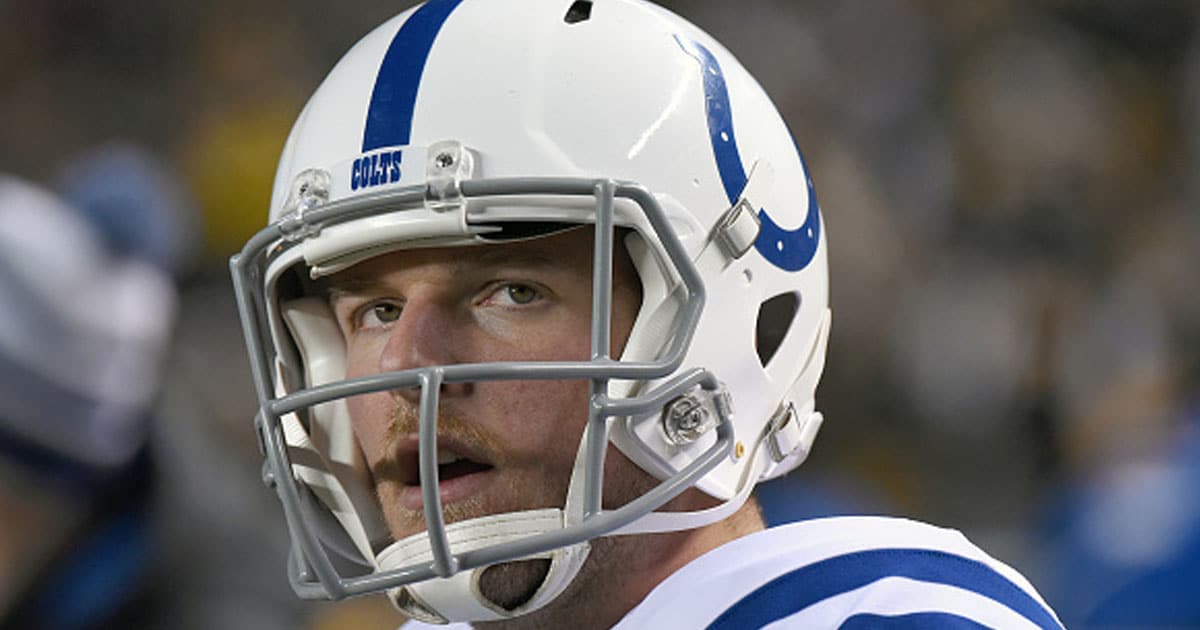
(790, 434)
(738, 229)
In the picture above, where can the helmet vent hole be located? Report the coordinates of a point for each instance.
(775, 318)
(580, 11)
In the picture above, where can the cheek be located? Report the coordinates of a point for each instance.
(362, 357)
(370, 416)
(543, 419)
(557, 330)
(624, 481)
(369, 412)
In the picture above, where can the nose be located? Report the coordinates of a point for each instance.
(422, 337)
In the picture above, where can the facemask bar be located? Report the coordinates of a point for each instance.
(313, 572)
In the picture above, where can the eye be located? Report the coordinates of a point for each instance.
(514, 294)
(386, 312)
(379, 314)
(521, 293)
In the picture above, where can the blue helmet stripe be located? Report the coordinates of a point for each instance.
(720, 119)
(790, 250)
(792, 592)
(389, 118)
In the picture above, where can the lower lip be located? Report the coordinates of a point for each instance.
(450, 490)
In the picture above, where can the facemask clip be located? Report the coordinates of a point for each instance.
(448, 163)
(310, 190)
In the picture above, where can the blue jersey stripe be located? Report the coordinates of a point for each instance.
(792, 592)
(389, 118)
(790, 250)
(913, 621)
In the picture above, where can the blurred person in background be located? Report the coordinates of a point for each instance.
(441, 258)
(87, 301)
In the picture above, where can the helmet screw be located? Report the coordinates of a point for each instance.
(685, 419)
(444, 160)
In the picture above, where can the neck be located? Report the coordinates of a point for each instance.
(621, 571)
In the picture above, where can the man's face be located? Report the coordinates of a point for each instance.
(503, 445)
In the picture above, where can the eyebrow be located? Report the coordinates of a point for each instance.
(335, 288)
(355, 285)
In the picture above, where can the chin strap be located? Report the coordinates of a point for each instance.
(458, 597)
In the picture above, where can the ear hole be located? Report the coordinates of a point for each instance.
(580, 11)
(775, 318)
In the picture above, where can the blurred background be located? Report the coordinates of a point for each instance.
(1013, 215)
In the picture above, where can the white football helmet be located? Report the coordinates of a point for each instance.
(479, 121)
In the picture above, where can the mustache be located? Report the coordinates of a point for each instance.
(405, 423)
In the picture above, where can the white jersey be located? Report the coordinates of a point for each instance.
(843, 572)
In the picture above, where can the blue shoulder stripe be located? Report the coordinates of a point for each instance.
(389, 118)
(913, 621)
(792, 592)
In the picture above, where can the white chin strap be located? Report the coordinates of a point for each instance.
(458, 597)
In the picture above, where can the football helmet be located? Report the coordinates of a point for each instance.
(469, 122)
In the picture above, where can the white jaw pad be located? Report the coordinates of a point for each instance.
(336, 473)
(457, 598)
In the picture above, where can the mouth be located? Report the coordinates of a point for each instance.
(461, 472)
(451, 466)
